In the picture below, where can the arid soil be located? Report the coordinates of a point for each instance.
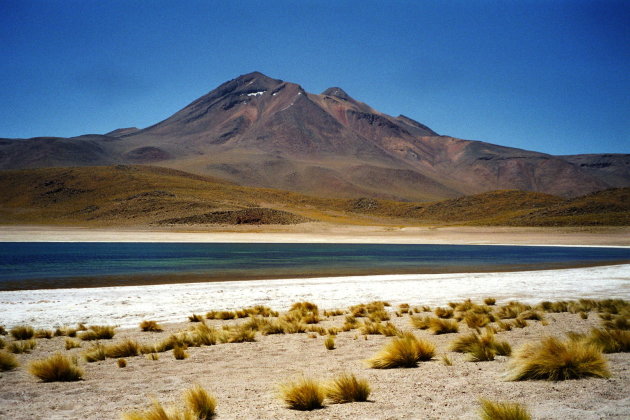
(244, 378)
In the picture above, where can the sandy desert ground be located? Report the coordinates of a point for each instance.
(244, 378)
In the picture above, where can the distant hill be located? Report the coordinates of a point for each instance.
(262, 132)
(142, 195)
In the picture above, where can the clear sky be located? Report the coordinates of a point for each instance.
(545, 75)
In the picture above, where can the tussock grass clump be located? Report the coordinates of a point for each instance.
(504, 325)
(420, 322)
(65, 332)
(273, 327)
(200, 403)
(23, 346)
(72, 344)
(241, 335)
(481, 348)
(377, 328)
(157, 412)
(150, 326)
(557, 360)
(304, 394)
(610, 341)
(502, 411)
(520, 323)
(195, 318)
(490, 301)
(3, 331)
(126, 348)
(56, 368)
(443, 326)
(404, 308)
(531, 315)
(446, 360)
(347, 388)
(97, 332)
(512, 310)
(405, 351)
(179, 353)
(153, 356)
(47, 334)
(302, 312)
(7, 361)
(122, 363)
(475, 320)
(329, 342)
(95, 354)
(334, 312)
(22, 332)
(444, 313)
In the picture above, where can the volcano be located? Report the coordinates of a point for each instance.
(258, 131)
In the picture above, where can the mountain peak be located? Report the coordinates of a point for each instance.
(337, 92)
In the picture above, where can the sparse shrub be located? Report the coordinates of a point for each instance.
(490, 301)
(420, 322)
(22, 332)
(126, 348)
(195, 318)
(7, 361)
(97, 332)
(444, 313)
(504, 325)
(476, 321)
(152, 326)
(179, 353)
(304, 394)
(56, 368)
(329, 342)
(347, 388)
(72, 344)
(503, 411)
(443, 326)
(610, 341)
(242, 335)
(23, 346)
(95, 354)
(122, 363)
(555, 360)
(200, 403)
(520, 323)
(405, 351)
(44, 334)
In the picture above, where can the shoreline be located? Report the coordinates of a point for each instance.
(327, 233)
(126, 306)
(131, 280)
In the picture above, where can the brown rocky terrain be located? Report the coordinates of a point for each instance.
(263, 132)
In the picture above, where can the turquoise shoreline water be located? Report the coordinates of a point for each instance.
(42, 265)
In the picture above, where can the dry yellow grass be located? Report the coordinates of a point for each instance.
(23, 346)
(180, 353)
(557, 360)
(125, 348)
(95, 353)
(71, 344)
(22, 332)
(405, 351)
(200, 403)
(97, 332)
(151, 326)
(347, 388)
(7, 361)
(502, 411)
(304, 394)
(56, 368)
(610, 341)
(443, 326)
(329, 342)
(122, 363)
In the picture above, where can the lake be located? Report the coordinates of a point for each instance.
(38, 265)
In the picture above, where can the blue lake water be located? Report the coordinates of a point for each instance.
(61, 264)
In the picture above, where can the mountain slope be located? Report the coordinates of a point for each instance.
(264, 132)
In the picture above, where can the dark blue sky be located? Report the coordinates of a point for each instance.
(546, 75)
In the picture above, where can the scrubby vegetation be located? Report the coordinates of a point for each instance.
(23, 346)
(56, 368)
(556, 360)
(97, 332)
(151, 326)
(7, 361)
(198, 405)
(22, 332)
(405, 351)
(304, 394)
(347, 388)
(502, 411)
